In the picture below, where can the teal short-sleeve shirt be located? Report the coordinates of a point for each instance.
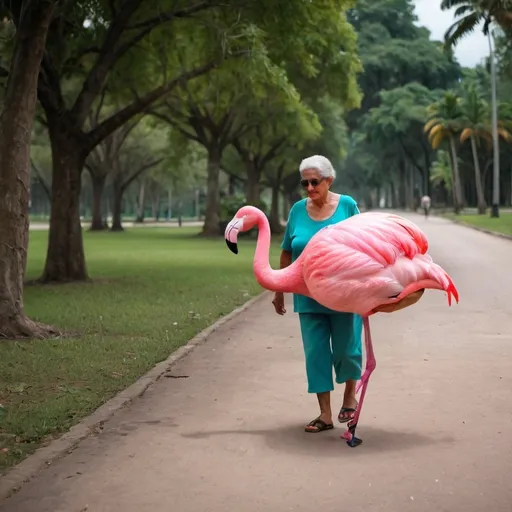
(299, 231)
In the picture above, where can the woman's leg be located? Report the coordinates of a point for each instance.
(346, 329)
(316, 334)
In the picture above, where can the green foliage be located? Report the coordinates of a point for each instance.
(475, 115)
(401, 111)
(473, 13)
(444, 118)
(395, 52)
(442, 171)
(231, 204)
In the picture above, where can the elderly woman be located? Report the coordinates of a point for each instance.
(330, 339)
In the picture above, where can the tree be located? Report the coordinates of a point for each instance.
(219, 111)
(395, 51)
(278, 123)
(95, 42)
(130, 152)
(397, 56)
(475, 127)
(441, 172)
(444, 123)
(396, 126)
(32, 19)
(473, 12)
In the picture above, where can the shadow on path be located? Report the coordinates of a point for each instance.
(289, 438)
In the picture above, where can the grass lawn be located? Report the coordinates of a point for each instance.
(152, 290)
(503, 224)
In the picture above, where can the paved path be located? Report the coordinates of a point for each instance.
(437, 426)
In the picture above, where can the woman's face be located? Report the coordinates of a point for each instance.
(316, 186)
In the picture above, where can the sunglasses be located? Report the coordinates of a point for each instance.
(314, 183)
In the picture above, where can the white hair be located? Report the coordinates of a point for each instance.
(320, 164)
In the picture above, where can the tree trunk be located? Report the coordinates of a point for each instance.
(412, 202)
(211, 221)
(16, 123)
(286, 207)
(141, 202)
(65, 259)
(482, 207)
(457, 192)
(231, 185)
(156, 206)
(252, 186)
(275, 221)
(98, 185)
(510, 188)
(169, 204)
(402, 189)
(117, 201)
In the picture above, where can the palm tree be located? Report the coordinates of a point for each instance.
(444, 123)
(441, 171)
(475, 127)
(472, 13)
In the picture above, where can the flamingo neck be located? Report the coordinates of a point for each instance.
(286, 280)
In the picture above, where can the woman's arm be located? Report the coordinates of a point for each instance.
(284, 261)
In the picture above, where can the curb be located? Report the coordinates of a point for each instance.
(482, 230)
(43, 457)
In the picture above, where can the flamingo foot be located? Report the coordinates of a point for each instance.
(351, 438)
(350, 434)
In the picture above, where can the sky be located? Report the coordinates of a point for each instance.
(470, 50)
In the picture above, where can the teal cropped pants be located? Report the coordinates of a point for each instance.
(331, 341)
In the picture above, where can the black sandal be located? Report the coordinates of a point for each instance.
(343, 410)
(319, 424)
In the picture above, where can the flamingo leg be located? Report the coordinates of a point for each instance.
(350, 434)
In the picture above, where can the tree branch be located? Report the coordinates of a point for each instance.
(111, 124)
(149, 25)
(104, 63)
(170, 15)
(272, 152)
(109, 55)
(411, 159)
(100, 106)
(49, 89)
(169, 120)
(41, 179)
(112, 7)
(233, 174)
(127, 129)
(244, 154)
(138, 172)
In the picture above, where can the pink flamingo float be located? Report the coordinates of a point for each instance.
(369, 263)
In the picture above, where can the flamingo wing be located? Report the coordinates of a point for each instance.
(369, 260)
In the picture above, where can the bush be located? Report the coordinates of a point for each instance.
(230, 205)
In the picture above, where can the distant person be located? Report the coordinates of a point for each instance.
(425, 204)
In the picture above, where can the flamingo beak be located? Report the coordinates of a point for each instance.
(231, 233)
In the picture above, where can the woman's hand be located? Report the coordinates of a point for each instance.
(279, 303)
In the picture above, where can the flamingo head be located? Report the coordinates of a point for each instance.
(244, 220)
